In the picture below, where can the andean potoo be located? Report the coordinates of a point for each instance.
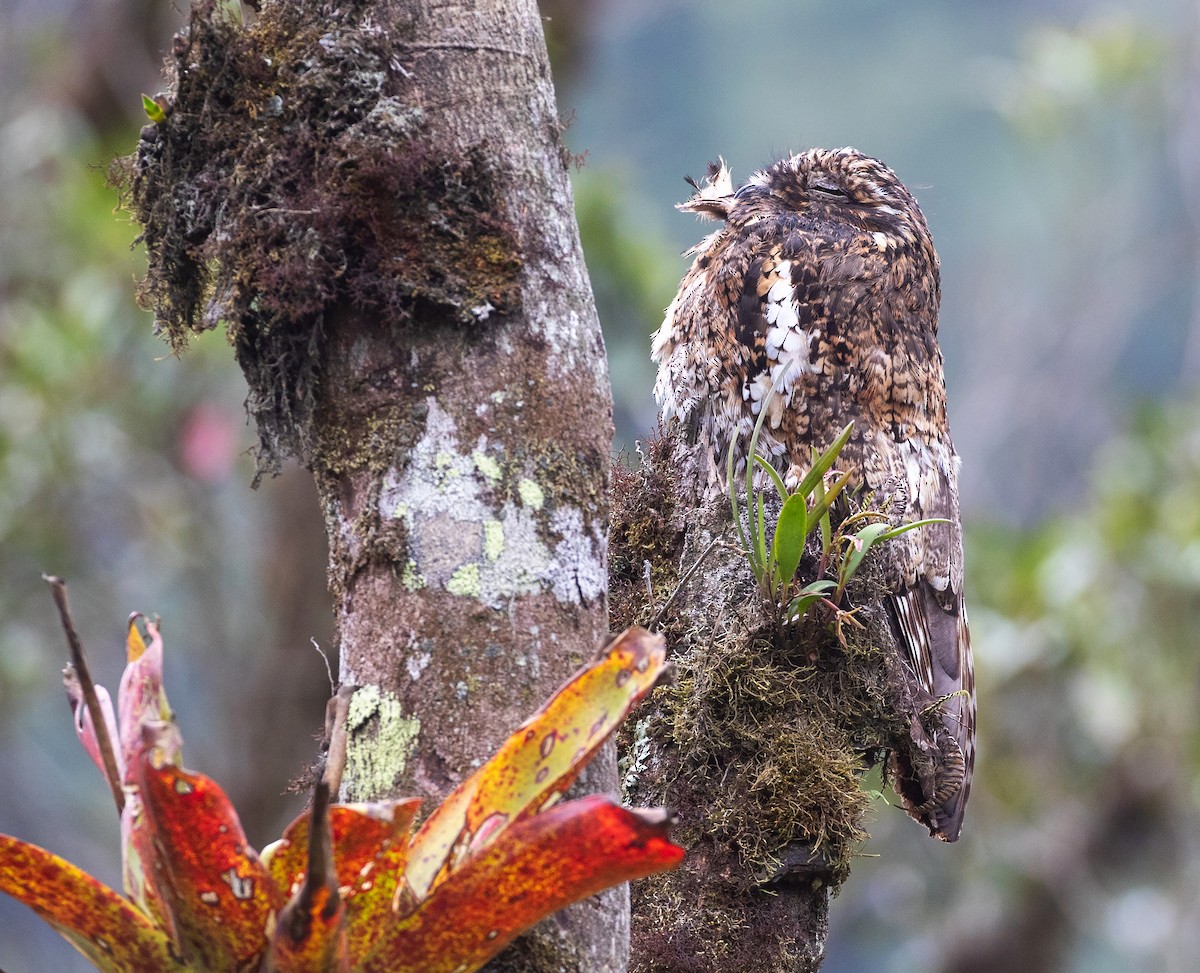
(822, 284)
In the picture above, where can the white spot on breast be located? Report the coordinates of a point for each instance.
(781, 290)
(881, 240)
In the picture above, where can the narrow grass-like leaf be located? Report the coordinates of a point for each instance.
(823, 518)
(774, 474)
(823, 462)
(893, 532)
(760, 536)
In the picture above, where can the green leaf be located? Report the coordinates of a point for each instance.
(823, 517)
(753, 450)
(826, 498)
(887, 535)
(809, 595)
(154, 111)
(790, 531)
(774, 474)
(858, 546)
(824, 461)
(760, 535)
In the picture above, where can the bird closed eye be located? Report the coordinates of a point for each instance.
(828, 189)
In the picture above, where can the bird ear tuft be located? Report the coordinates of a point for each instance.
(713, 199)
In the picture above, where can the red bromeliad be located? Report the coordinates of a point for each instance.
(348, 887)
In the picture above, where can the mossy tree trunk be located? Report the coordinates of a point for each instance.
(372, 196)
(758, 744)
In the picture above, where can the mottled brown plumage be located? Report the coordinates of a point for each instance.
(823, 284)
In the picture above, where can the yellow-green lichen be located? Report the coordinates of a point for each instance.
(493, 540)
(465, 581)
(382, 741)
(487, 466)
(400, 510)
(411, 578)
(531, 494)
(445, 466)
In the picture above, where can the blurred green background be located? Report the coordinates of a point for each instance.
(1055, 148)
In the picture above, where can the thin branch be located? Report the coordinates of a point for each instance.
(295, 920)
(335, 738)
(687, 576)
(58, 589)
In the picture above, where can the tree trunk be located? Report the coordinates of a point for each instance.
(373, 197)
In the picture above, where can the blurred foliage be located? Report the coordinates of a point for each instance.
(632, 282)
(1109, 66)
(125, 470)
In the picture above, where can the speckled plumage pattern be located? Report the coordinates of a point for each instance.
(823, 283)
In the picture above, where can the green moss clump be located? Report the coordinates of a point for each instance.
(792, 719)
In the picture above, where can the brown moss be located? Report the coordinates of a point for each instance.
(642, 531)
(291, 176)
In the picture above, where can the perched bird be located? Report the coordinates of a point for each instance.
(823, 285)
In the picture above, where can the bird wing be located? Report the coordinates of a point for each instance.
(931, 624)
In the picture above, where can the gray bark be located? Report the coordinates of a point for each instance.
(469, 570)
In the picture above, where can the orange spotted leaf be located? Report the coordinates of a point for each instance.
(106, 927)
(366, 838)
(310, 936)
(540, 865)
(370, 847)
(218, 892)
(538, 762)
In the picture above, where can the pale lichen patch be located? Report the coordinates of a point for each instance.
(578, 570)
(416, 664)
(522, 560)
(465, 581)
(487, 466)
(372, 767)
(459, 541)
(531, 494)
(493, 540)
(411, 578)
